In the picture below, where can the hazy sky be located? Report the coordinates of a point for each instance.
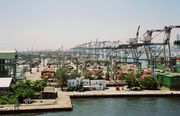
(50, 24)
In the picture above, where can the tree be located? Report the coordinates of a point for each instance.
(61, 75)
(177, 42)
(24, 92)
(38, 85)
(3, 99)
(150, 83)
(87, 74)
(7, 98)
(21, 90)
(74, 74)
(132, 81)
(99, 74)
(27, 89)
(21, 84)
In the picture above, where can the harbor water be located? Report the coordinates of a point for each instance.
(122, 106)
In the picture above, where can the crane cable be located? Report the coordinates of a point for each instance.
(152, 37)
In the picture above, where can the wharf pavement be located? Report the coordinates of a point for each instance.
(34, 75)
(112, 92)
(62, 103)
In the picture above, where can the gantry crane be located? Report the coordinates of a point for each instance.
(136, 48)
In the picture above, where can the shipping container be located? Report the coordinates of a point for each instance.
(172, 81)
(168, 79)
(160, 77)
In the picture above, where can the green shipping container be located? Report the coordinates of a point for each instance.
(162, 67)
(172, 81)
(160, 76)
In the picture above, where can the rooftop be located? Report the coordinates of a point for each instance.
(49, 89)
(7, 51)
(8, 54)
(5, 82)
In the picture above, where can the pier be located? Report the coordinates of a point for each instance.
(112, 92)
(62, 103)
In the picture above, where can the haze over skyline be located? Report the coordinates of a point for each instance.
(50, 24)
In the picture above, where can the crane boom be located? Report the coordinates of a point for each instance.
(134, 40)
(137, 34)
(148, 37)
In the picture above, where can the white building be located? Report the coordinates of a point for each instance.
(86, 83)
(98, 84)
(72, 83)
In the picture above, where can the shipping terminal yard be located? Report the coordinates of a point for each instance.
(47, 80)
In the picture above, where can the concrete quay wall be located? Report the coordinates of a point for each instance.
(63, 102)
(112, 92)
(125, 95)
